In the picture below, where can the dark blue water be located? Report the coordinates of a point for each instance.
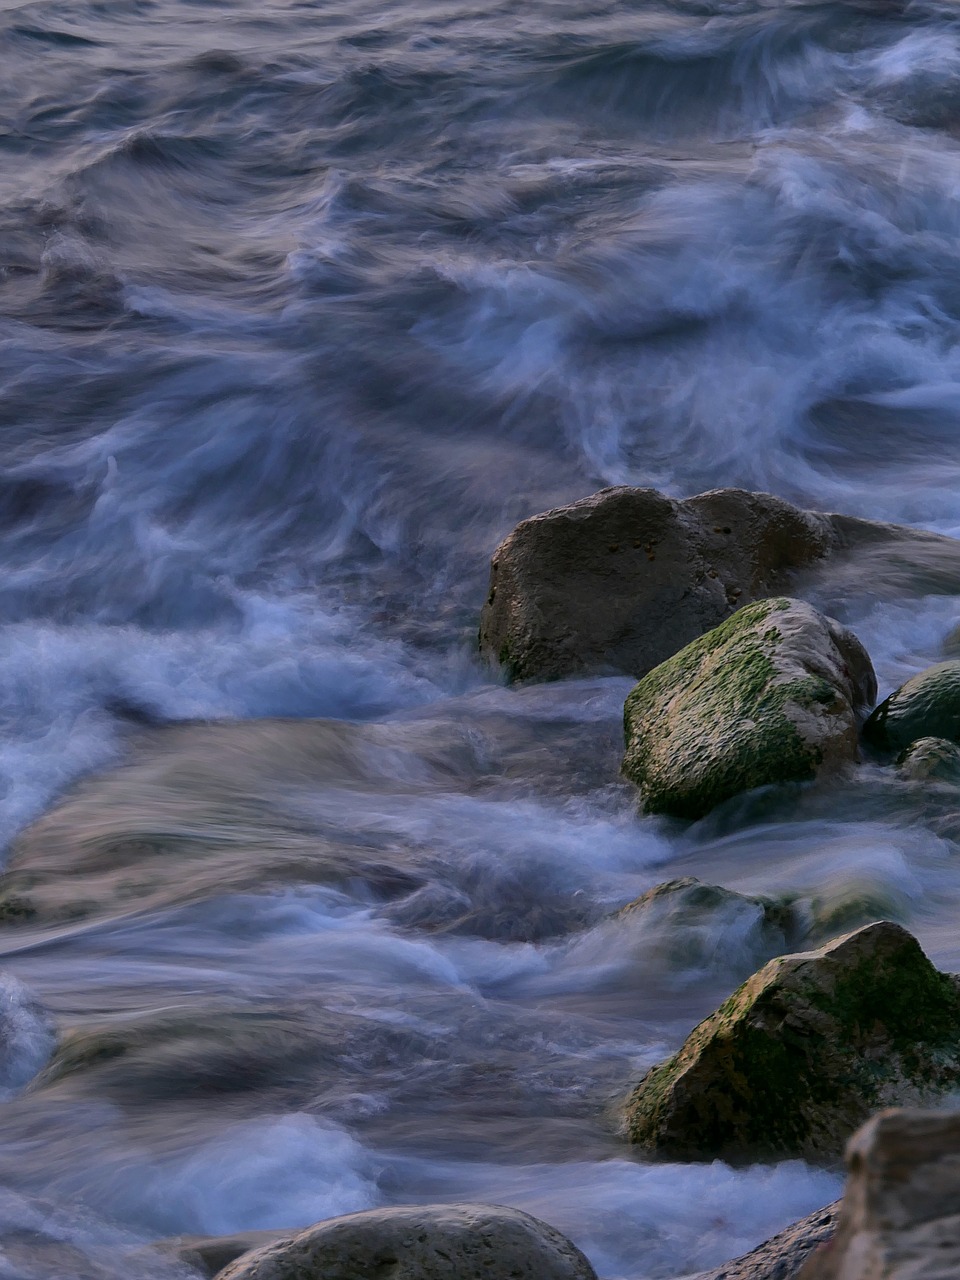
(302, 307)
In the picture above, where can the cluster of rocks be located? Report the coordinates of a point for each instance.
(740, 686)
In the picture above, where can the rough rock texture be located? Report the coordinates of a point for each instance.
(430, 1242)
(782, 1256)
(900, 1215)
(621, 580)
(804, 1051)
(930, 760)
(926, 706)
(771, 695)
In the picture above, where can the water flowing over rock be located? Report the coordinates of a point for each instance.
(898, 1219)
(771, 695)
(931, 760)
(926, 706)
(804, 1051)
(431, 1242)
(621, 580)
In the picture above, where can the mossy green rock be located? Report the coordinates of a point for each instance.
(771, 695)
(927, 706)
(804, 1051)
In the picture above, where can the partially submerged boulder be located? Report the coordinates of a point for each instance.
(804, 1051)
(428, 1242)
(623, 579)
(900, 1215)
(687, 924)
(771, 695)
(926, 706)
(930, 760)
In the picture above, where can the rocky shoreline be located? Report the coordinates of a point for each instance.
(744, 683)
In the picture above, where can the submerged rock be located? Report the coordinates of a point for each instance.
(926, 706)
(804, 1051)
(428, 1242)
(771, 695)
(930, 760)
(623, 579)
(686, 923)
(783, 1255)
(899, 1216)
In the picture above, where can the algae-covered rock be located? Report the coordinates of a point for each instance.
(771, 695)
(926, 706)
(689, 925)
(804, 1051)
(930, 760)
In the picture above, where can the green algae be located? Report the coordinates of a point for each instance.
(711, 722)
(803, 1051)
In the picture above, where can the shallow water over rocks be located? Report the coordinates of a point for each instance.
(301, 309)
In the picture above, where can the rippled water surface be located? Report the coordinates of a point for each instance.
(302, 307)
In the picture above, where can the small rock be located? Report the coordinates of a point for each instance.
(691, 925)
(428, 1242)
(770, 696)
(782, 1256)
(899, 1216)
(930, 760)
(804, 1051)
(926, 706)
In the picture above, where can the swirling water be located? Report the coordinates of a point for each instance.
(302, 307)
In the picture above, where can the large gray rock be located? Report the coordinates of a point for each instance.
(804, 1051)
(621, 580)
(900, 1216)
(772, 695)
(427, 1242)
(783, 1255)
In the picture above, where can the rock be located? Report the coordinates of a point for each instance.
(621, 580)
(926, 706)
(804, 1051)
(210, 1254)
(691, 925)
(782, 1256)
(930, 760)
(771, 695)
(900, 1215)
(429, 1242)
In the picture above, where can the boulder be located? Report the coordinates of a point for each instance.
(782, 1256)
(771, 695)
(804, 1051)
(926, 706)
(930, 760)
(900, 1215)
(429, 1242)
(621, 580)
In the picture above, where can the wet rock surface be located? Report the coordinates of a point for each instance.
(804, 1051)
(783, 1256)
(899, 1216)
(623, 579)
(428, 1242)
(926, 706)
(772, 695)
